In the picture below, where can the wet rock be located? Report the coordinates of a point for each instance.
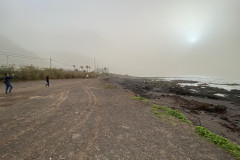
(196, 121)
(216, 109)
(224, 118)
(156, 89)
(195, 112)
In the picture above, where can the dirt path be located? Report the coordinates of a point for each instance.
(88, 119)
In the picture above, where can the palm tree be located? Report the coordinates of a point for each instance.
(74, 67)
(81, 67)
(86, 67)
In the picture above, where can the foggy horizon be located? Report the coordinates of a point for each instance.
(138, 38)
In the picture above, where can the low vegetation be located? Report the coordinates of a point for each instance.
(233, 149)
(31, 72)
(162, 110)
(141, 98)
(159, 111)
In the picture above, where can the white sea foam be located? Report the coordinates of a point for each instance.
(193, 90)
(227, 84)
(220, 95)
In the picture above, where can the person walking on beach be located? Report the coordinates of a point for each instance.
(7, 81)
(47, 80)
(87, 76)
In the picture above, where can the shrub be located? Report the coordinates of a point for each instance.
(31, 72)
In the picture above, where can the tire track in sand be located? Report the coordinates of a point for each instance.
(88, 145)
(59, 100)
(35, 122)
(72, 127)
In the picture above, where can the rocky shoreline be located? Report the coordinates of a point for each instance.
(203, 105)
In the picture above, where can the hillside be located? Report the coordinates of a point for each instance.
(8, 46)
(21, 56)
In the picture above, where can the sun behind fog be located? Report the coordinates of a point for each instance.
(193, 39)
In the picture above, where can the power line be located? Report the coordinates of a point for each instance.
(61, 63)
(30, 57)
(20, 56)
(10, 54)
(36, 58)
(4, 53)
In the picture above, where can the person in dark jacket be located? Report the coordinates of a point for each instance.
(7, 80)
(47, 80)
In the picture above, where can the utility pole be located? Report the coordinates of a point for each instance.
(50, 63)
(94, 64)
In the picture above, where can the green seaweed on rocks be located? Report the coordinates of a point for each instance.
(233, 149)
(141, 98)
(158, 110)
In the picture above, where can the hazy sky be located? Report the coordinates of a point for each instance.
(136, 37)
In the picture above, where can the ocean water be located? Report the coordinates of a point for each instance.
(227, 84)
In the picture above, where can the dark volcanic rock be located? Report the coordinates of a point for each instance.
(216, 109)
(203, 105)
(144, 85)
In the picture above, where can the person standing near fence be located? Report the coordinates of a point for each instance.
(47, 80)
(7, 81)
